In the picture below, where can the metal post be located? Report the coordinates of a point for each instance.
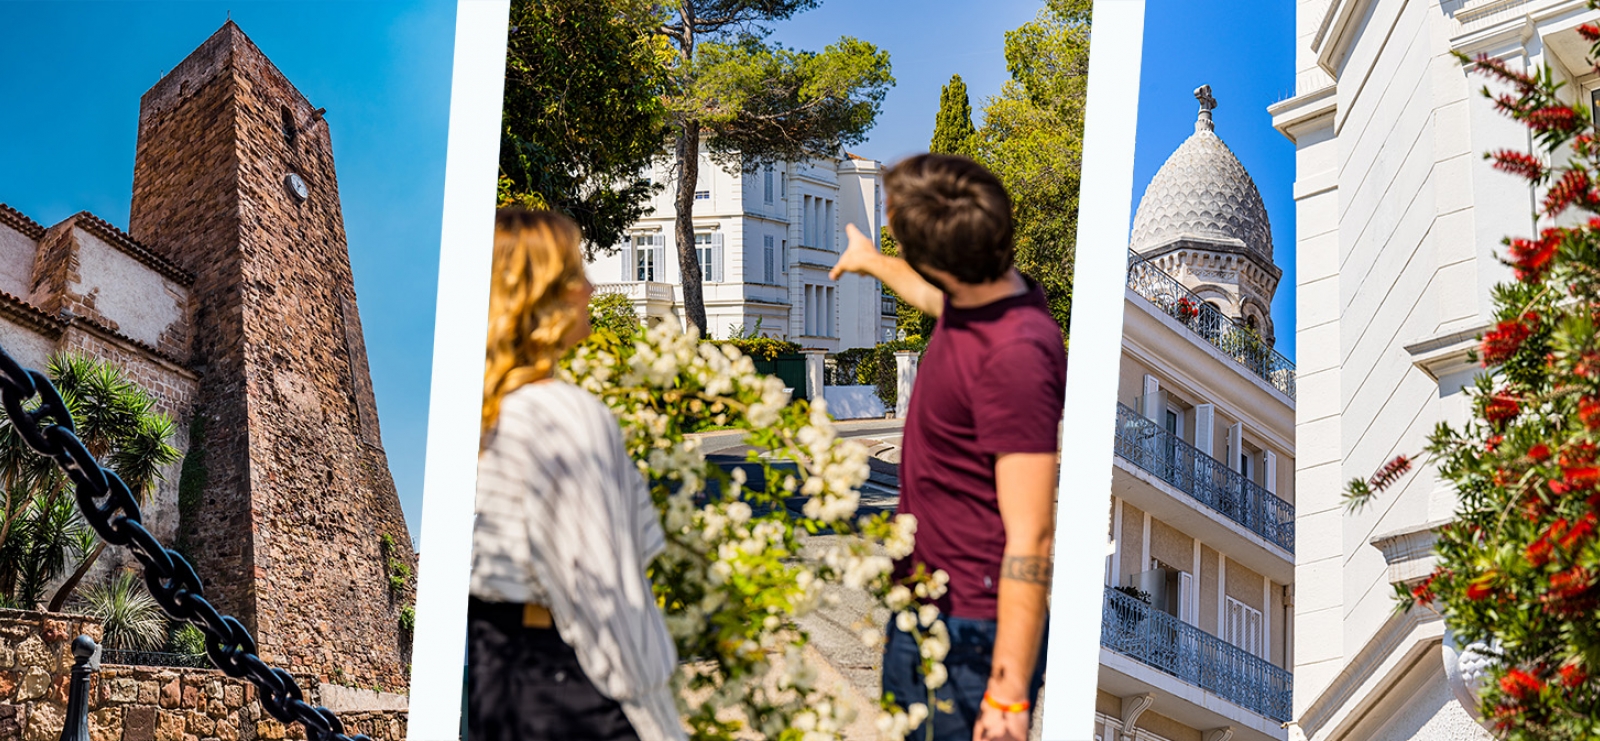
(87, 654)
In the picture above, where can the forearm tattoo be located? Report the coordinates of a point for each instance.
(1030, 569)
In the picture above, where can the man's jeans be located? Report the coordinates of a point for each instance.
(959, 700)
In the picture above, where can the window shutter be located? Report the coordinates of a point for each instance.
(1272, 472)
(1235, 445)
(1186, 597)
(1152, 398)
(716, 257)
(1252, 631)
(1205, 422)
(630, 267)
(659, 247)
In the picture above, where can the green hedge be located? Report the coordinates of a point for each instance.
(875, 366)
(761, 348)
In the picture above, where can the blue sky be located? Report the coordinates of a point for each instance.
(73, 76)
(1242, 48)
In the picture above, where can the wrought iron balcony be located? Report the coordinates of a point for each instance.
(1147, 445)
(1209, 323)
(1136, 630)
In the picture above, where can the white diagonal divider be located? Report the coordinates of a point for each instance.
(1105, 203)
(462, 323)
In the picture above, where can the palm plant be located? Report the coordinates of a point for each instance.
(133, 620)
(117, 422)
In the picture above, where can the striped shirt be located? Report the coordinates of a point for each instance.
(564, 519)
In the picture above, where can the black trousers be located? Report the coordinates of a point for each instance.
(525, 684)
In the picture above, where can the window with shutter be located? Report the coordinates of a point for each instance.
(768, 261)
(766, 189)
(626, 254)
(1243, 627)
(659, 257)
(1189, 611)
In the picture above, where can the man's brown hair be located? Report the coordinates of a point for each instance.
(950, 213)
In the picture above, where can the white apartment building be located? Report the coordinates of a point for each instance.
(767, 238)
(1399, 219)
(1203, 502)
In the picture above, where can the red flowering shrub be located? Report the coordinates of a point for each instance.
(1519, 568)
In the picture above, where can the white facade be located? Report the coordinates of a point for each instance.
(1203, 489)
(1398, 221)
(769, 237)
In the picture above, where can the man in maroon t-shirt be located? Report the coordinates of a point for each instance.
(979, 461)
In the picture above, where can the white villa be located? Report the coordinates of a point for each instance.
(768, 237)
(1399, 218)
(1203, 491)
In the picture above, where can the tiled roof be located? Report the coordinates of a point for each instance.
(16, 220)
(120, 239)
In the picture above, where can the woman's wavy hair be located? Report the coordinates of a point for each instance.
(537, 259)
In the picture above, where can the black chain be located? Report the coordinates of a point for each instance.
(110, 508)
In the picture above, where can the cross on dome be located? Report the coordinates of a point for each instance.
(1207, 104)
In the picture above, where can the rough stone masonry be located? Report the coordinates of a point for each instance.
(290, 493)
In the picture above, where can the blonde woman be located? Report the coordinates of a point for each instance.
(565, 640)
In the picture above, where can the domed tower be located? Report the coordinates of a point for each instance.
(1202, 222)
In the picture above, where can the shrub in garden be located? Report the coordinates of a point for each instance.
(1518, 567)
(731, 581)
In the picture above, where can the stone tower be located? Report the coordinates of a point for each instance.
(285, 507)
(1202, 221)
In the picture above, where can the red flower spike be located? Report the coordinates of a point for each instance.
(1386, 476)
(1572, 188)
(1520, 684)
(1493, 443)
(1589, 412)
(1502, 408)
(1580, 478)
(1554, 118)
(1539, 552)
(1568, 585)
(1479, 588)
(1573, 675)
(1539, 452)
(1519, 163)
(1580, 532)
(1502, 342)
(1590, 32)
(1530, 257)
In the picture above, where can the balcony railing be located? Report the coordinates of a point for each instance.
(1232, 338)
(638, 290)
(1136, 630)
(1226, 491)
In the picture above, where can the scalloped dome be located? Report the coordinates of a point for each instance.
(1203, 193)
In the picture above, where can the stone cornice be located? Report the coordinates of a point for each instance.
(1409, 552)
(1337, 31)
(1289, 115)
(1446, 354)
(1383, 659)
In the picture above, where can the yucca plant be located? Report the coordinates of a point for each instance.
(117, 421)
(132, 619)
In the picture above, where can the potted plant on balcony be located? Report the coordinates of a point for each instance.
(1187, 309)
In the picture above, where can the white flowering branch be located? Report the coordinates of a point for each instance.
(731, 581)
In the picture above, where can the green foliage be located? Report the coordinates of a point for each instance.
(1032, 139)
(396, 570)
(876, 366)
(760, 348)
(614, 312)
(908, 318)
(187, 640)
(757, 102)
(408, 619)
(192, 481)
(583, 112)
(133, 621)
(952, 129)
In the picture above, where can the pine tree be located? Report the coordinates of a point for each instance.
(952, 130)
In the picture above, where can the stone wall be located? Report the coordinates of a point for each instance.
(129, 703)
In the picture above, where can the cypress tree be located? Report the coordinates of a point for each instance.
(952, 130)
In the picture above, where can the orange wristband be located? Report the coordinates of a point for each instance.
(1015, 707)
